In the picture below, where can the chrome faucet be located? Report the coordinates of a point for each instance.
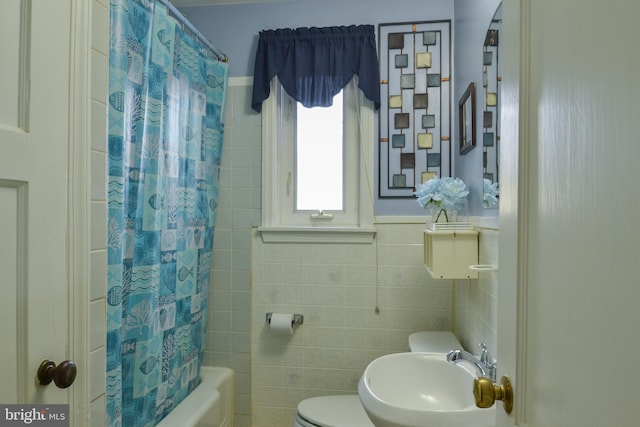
(486, 366)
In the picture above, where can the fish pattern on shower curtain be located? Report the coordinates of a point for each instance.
(166, 97)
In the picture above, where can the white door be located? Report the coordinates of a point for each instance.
(570, 210)
(34, 138)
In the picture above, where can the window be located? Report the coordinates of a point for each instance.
(319, 162)
(319, 158)
(317, 171)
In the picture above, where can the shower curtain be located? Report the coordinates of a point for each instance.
(166, 96)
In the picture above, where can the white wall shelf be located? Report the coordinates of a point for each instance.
(448, 254)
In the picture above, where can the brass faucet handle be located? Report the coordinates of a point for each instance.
(486, 393)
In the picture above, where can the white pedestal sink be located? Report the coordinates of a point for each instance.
(421, 390)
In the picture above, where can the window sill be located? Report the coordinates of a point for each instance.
(317, 235)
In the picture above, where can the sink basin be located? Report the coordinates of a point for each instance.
(421, 390)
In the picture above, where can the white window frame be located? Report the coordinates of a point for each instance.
(280, 222)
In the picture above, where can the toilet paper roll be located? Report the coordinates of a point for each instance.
(281, 323)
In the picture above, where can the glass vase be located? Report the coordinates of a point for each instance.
(442, 215)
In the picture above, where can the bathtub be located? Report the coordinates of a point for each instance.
(209, 405)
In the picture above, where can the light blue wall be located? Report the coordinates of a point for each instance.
(234, 30)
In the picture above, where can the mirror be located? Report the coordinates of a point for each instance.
(492, 77)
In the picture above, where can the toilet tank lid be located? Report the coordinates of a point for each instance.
(334, 411)
(433, 341)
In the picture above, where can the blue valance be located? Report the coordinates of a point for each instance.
(314, 64)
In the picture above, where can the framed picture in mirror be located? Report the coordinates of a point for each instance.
(467, 118)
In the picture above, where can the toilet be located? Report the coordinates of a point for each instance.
(433, 342)
(346, 410)
(332, 411)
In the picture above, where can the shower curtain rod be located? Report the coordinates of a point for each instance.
(184, 21)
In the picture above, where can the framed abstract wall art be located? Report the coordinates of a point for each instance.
(415, 112)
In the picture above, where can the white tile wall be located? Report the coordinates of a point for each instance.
(337, 287)
(476, 301)
(98, 172)
(229, 335)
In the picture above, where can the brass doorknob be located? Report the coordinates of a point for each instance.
(62, 375)
(486, 393)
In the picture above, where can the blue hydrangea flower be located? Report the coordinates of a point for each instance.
(446, 193)
(429, 192)
(491, 192)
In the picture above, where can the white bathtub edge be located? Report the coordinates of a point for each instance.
(210, 404)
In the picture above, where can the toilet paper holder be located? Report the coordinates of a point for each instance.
(298, 319)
